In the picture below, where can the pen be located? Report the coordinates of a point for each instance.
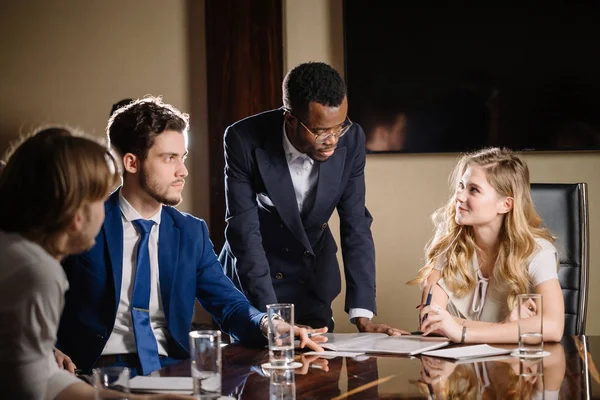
(429, 386)
(287, 335)
(428, 302)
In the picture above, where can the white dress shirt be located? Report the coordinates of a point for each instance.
(122, 339)
(305, 175)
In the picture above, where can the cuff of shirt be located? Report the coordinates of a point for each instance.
(359, 312)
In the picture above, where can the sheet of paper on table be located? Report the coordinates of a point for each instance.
(470, 353)
(333, 354)
(381, 343)
(151, 384)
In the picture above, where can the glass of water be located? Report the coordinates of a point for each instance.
(107, 380)
(531, 327)
(531, 377)
(205, 354)
(283, 385)
(281, 334)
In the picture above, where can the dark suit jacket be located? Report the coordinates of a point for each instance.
(272, 252)
(188, 268)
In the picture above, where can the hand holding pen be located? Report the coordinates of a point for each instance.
(309, 334)
(306, 338)
(423, 306)
(427, 302)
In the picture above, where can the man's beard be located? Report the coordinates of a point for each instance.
(152, 188)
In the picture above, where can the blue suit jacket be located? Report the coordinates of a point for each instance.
(274, 253)
(188, 268)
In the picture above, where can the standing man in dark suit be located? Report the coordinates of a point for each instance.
(132, 295)
(286, 171)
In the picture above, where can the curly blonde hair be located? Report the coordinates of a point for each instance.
(454, 244)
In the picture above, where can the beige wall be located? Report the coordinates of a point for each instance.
(403, 190)
(68, 61)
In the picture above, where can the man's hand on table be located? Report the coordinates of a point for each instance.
(366, 325)
(305, 335)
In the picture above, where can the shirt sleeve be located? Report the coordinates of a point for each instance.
(544, 263)
(359, 312)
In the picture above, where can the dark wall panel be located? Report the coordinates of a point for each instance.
(244, 52)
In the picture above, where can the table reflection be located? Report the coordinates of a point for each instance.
(568, 371)
(498, 377)
(282, 385)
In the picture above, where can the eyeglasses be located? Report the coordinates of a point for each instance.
(322, 135)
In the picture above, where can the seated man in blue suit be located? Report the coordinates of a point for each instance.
(286, 171)
(131, 296)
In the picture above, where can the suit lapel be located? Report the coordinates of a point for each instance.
(275, 173)
(168, 257)
(113, 232)
(330, 174)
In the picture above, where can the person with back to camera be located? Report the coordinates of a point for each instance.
(489, 247)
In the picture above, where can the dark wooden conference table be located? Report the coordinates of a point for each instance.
(569, 372)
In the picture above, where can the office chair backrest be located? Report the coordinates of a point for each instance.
(564, 210)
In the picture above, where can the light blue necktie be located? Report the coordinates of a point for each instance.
(140, 303)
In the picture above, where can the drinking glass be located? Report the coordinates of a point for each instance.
(111, 379)
(205, 353)
(282, 385)
(531, 330)
(281, 334)
(531, 376)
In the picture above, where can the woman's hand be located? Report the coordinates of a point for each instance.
(435, 370)
(440, 321)
(528, 309)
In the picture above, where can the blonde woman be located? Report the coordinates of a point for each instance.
(489, 247)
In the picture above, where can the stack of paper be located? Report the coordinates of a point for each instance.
(381, 343)
(469, 353)
(151, 384)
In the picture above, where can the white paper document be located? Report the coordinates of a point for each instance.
(168, 384)
(381, 343)
(332, 354)
(468, 352)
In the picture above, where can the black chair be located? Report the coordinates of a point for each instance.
(564, 210)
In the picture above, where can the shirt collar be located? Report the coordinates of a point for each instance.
(291, 153)
(130, 214)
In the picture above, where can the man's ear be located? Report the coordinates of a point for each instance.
(288, 117)
(506, 205)
(130, 163)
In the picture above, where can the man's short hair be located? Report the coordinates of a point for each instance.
(48, 177)
(312, 82)
(119, 104)
(134, 127)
